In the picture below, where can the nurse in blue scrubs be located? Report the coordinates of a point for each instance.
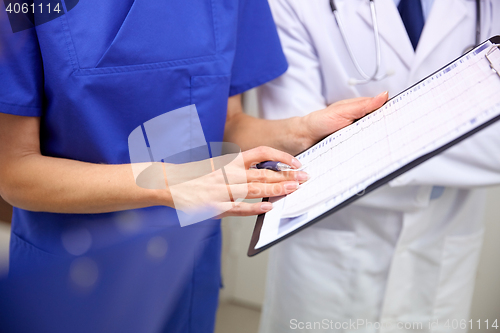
(74, 88)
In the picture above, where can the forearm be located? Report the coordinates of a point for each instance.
(249, 132)
(39, 183)
(34, 182)
(294, 135)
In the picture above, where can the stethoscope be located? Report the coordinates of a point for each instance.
(376, 75)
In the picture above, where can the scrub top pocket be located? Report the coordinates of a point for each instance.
(141, 32)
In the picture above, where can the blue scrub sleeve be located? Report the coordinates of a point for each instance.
(21, 72)
(259, 57)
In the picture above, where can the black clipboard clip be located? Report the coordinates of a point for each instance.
(488, 54)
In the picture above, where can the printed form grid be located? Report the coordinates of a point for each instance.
(435, 112)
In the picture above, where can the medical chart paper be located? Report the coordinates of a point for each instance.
(440, 109)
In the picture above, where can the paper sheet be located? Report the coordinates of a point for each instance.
(431, 114)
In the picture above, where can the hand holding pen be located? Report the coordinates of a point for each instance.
(299, 175)
(275, 166)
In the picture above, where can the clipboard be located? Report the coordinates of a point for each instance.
(485, 49)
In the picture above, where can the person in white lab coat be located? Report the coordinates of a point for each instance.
(407, 253)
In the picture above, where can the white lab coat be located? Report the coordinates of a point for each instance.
(397, 255)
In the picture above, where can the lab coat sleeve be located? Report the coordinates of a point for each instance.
(474, 162)
(298, 91)
(21, 73)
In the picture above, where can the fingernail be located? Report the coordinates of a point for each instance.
(266, 206)
(296, 163)
(385, 93)
(302, 176)
(291, 186)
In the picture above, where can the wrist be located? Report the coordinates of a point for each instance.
(299, 134)
(161, 197)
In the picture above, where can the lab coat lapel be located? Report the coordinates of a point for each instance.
(444, 17)
(391, 28)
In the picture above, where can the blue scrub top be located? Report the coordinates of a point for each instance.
(105, 67)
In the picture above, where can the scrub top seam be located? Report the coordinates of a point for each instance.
(214, 23)
(34, 247)
(143, 67)
(20, 110)
(116, 36)
(21, 106)
(67, 32)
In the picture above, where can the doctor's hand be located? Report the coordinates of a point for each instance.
(322, 123)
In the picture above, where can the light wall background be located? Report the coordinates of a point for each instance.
(4, 248)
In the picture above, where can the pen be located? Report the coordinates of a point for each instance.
(273, 165)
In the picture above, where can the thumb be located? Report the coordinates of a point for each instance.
(380, 99)
(358, 108)
(372, 104)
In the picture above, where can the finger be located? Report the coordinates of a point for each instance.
(369, 105)
(379, 100)
(360, 108)
(262, 190)
(248, 209)
(269, 176)
(261, 154)
(351, 100)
